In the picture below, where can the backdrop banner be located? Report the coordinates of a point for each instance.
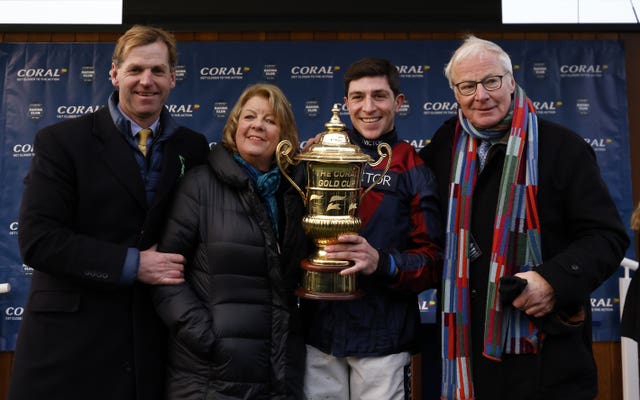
(580, 84)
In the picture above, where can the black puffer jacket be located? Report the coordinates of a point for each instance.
(234, 323)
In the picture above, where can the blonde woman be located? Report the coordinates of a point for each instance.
(234, 323)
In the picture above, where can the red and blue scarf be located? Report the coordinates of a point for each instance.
(516, 246)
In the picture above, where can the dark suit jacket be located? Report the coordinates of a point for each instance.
(84, 335)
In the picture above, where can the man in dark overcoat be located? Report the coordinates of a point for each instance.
(95, 200)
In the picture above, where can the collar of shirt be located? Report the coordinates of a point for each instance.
(135, 127)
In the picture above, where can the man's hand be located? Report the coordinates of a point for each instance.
(354, 248)
(160, 268)
(537, 298)
(312, 140)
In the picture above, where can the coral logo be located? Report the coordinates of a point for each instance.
(182, 110)
(426, 305)
(223, 73)
(73, 111)
(582, 70)
(599, 144)
(13, 313)
(313, 71)
(440, 108)
(547, 107)
(344, 110)
(601, 304)
(23, 150)
(13, 228)
(412, 71)
(418, 143)
(40, 74)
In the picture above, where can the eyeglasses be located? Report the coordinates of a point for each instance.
(490, 83)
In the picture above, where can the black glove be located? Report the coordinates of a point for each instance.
(554, 323)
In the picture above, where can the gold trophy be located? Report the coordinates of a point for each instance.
(334, 169)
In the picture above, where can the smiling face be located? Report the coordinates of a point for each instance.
(258, 133)
(372, 106)
(484, 109)
(144, 80)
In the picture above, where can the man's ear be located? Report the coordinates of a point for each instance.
(113, 74)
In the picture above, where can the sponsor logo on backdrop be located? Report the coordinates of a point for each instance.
(412, 71)
(13, 228)
(583, 107)
(604, 304)
(223, 72)
(344, 112)
(547, 107)
(311, 108)
(23, 150)
(182, 110)
(220, 109)
(418, 143)
(35, 111)
(405, 109)
(440, 108)
(181, 73)
(540, 70)
(599, 144)
(13, 313)
(313, 71)
(27, 270)
(426, 305)
(73, 110)
(40, 74)
(582, 70)
(270, 72)
(87, 74)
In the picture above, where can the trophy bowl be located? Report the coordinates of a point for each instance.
(333, 171)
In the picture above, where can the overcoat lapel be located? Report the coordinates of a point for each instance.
(115, 152)
(172, 168)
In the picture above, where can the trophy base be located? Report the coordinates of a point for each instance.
(324, 282)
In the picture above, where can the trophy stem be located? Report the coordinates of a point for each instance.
(324, 282)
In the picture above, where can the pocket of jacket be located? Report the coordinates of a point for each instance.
(50, 301)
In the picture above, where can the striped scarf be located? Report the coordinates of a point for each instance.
(516, 247)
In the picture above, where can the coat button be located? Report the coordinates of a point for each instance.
(127, 367)
(573, 269)
(473, 294)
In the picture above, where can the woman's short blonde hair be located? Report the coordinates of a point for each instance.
(280, 107)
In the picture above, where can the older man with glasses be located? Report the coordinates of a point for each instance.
(531, 232)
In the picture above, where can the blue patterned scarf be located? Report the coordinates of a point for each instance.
(266, 184)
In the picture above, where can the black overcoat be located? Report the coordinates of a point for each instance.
(583, 242)
(84, 335)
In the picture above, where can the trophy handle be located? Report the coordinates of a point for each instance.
(282, 151)
(387, 155)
